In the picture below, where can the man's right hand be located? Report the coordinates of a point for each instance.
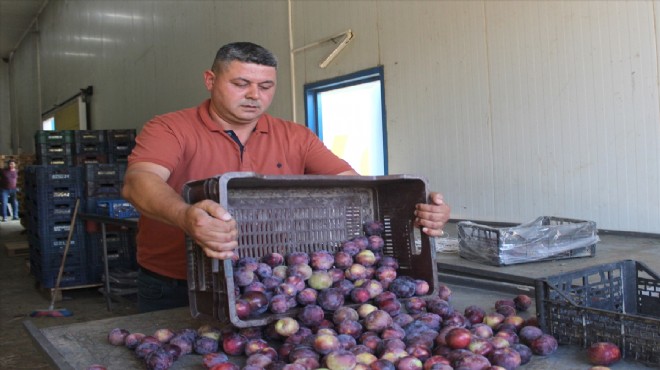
(212, 227)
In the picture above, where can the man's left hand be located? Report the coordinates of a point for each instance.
(432, 217)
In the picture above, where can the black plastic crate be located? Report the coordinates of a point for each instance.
(90, 158)
(118, 157)
(53, 175)
(89, 137)
(304, 213)
(57, 159)
(92, 148)
(121, 247)
(104, 172)
(542, 239)
(58, 150)
(53, 137)
(72, 275)
(121, 139)
(616, 302)
(107, 189)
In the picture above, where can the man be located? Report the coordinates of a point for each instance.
(8, 187)
(229, 132)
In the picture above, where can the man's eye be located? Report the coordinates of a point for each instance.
(241, 84)
(266, 86)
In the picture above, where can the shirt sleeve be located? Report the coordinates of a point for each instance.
(157, 143)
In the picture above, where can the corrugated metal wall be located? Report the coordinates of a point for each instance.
(513, 109)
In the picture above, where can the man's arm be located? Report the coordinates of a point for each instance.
(206, 222)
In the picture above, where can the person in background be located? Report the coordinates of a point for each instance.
(231, 131)
(8, 187)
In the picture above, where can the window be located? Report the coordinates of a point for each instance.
(348, 114)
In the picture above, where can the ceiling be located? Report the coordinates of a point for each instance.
(15, 19)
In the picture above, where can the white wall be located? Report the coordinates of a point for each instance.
(514, 109)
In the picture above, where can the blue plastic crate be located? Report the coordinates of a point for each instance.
(117, 208)
(104, 172)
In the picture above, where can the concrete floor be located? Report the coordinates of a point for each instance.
(20, 295)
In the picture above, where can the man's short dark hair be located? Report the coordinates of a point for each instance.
(245, 52)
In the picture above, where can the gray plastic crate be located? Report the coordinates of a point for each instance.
(616, 302)
(307, 213)
(545, 238)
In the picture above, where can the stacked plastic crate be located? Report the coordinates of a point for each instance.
(50, 196)
(102, 184)
(84, 164)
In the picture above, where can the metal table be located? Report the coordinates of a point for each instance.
(129, 223)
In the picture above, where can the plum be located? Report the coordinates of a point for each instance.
(300, 352)
(204, 345)
(522, 302)
(243, 276)
(281, 272)
(365, 309)
(365, 258)
(376, 243)
(321, 260)
(271, 282)
(355, 272)
(527, 334)
(474, 314)
(377, 321)
(211, 359)
(311, 315)
(184, 341)
(295, 258)
(440, 307)
(117, 336)
(326, 343)
(254, 346)
(302, 270)
(360, 295)
(249, 263)
(159, 359)
(493, 319)
(173, 350)
(403, 319)
(515, 320)
(420, 351)
(403, 287)
(391, 306)
(480, 346)
(256, 286)
(331, 299)
(343, 260)
(344, 286)
(234, 344)
(273, 259)
(409, 363)
(346, 341)
(320, 280)
(350, 327)
(421, 287)
(436, 360)
(361, 241)
(471, 361)
(444, 292)
(258, 361)
(365, 358)
(373, 227)
(481, 330)
(382, 365)
(133, 339)
(524, 351)
(258, 302)
(264, 270)
(96, 367)
(430, 319)
(394, 331)
(386, 273)
(414, 305)
(506, 310)
(394, 354)
(544, 345)
(340, 360)
(286, 326)
(344, 313)
(458, 338)
(510, 336)
(307, 296)
(499, 342)
(603, 353)
(242, 308)
(507, 358)
(455, 319)
(145, 348)
(278, 304)
(350, 247)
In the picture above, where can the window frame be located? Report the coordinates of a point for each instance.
(313, 119)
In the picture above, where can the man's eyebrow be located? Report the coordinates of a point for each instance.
(250, 81)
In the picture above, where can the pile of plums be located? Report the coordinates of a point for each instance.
(355, 273)
(353, 312)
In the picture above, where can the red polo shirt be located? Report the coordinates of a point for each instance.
(193, 147)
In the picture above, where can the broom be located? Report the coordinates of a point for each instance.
(51, 311)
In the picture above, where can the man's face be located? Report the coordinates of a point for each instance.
(242, 92)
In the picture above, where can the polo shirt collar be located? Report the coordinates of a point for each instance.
(211, 125)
